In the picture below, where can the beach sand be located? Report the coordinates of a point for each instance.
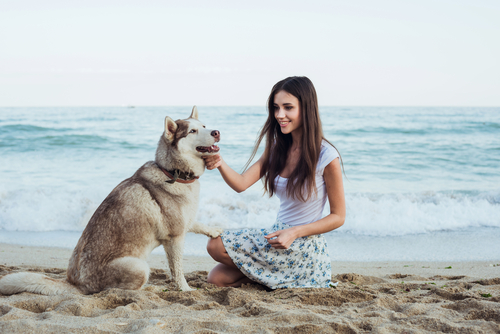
(371, 297)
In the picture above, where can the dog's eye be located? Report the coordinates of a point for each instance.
(204, 126)
(192, 131)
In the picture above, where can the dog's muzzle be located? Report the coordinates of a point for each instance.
(211, 149)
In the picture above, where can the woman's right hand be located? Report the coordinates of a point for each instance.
(212, 161)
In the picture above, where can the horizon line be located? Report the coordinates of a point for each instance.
(131, 106)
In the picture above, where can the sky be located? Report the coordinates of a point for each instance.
(231, 53)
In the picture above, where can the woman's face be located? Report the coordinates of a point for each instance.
(287, 112)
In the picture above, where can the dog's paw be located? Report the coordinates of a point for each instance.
(186, 288)
(215, 232)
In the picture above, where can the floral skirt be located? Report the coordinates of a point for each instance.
(304, 264)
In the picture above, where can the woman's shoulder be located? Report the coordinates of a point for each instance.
(328, 154)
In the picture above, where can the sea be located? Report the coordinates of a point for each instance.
(421, 183)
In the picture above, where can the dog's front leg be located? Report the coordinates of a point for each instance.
(212, 232)
(174, 249)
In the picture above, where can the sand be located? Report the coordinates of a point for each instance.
(371, 297)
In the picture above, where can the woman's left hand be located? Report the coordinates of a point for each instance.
(283, 240)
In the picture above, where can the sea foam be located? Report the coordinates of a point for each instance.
(46, 209)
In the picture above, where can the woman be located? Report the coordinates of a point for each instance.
(303, 170)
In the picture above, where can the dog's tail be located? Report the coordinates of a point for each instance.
(35, 283)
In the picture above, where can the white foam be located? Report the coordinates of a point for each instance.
(44, 209)
(232, 211)
(41, 210)
(406, 214)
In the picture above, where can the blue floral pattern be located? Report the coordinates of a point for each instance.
(305, 264)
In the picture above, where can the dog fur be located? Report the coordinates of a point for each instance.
(140, 214)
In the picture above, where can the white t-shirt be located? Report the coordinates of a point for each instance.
(295, 212)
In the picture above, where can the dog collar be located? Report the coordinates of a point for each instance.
(178, 176)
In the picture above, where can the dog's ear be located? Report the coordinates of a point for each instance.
(194, 113)
(170, 128)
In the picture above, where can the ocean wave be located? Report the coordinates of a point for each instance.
(367, 214)
(41, 210)
(51, 142)
(22, 129)
(27, 138)
(420, 213)
(421, 131)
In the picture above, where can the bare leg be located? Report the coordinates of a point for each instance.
(217, 251)
(225, 273)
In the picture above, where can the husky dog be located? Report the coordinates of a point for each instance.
(156, 206)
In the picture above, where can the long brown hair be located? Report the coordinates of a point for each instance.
(301, 183)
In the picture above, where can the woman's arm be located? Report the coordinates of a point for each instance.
(335, 191)
(239, 182)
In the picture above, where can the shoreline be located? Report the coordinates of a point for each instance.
(378, 297)
(54, 257)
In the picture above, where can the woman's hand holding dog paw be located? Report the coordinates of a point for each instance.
(212, 161)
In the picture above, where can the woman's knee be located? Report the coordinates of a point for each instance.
(214, 278)
(215, 248)
(217, 275)
(222, 275)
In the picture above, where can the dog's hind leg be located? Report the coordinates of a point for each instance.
(174, 249)
(127, 272)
